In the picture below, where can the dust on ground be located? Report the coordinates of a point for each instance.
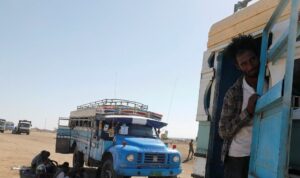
(18, 150)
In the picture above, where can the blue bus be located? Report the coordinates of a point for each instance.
(120, 137)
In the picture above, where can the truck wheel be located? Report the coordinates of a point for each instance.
(107, 170)
(78, 159)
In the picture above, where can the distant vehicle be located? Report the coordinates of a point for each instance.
(2, 125)
(9, 125)
(120, 137)
(22, 127)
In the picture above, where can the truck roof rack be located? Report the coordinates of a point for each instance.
(118, 107)
(114, 102)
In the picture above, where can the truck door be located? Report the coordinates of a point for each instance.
(63, 136)
(273, 121)
(95, 148)
(203, 113)
(226, 74)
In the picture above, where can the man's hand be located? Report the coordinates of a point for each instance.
(252, 103)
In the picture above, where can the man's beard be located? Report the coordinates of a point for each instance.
(253, 73)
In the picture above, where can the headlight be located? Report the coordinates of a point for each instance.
(130, 157)
(176, 159)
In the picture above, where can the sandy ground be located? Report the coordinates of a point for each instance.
(18, 150)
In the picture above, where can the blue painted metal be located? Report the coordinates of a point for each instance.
(143, 166)
(288, 77)
(272, 121)
(276, 14)
(265, 39)
(280, 47)
(274, 94)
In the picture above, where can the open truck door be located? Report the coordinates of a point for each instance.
(63, 136)
(203, 113)
(275, 140)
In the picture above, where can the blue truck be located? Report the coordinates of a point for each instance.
(120, 137)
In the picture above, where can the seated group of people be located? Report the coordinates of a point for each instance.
(43, 167)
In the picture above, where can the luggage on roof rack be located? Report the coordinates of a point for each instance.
(114, 107)
(114, 102)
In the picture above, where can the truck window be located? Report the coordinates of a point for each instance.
(24, 125)
(123, 130)
(141, 131)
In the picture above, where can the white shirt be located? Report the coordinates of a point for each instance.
(241, 142)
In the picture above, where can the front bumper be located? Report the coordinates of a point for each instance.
(24, 131)
(149, 171)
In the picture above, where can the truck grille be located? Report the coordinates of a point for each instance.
(155, 158)
(139, 158)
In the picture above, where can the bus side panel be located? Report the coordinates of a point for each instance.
(63, 137)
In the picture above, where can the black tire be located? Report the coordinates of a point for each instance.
(107, 170)
(78, 159)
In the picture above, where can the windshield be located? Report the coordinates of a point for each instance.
(24, 125)
(142, 131)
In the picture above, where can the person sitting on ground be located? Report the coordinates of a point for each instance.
(39, 159)
(62, 171)
(44, 170)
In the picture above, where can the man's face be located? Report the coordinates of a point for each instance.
(248, 63)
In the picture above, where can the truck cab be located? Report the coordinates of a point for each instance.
(2, 125)
(119, 137)
(9, 125)
(22, 127)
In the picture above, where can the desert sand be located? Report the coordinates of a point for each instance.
(18, 150)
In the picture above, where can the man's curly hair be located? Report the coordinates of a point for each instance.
(241, 44)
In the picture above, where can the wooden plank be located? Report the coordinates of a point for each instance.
(247, 27)
(249, 20)
(250, 11)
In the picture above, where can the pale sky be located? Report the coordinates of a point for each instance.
(57, 54)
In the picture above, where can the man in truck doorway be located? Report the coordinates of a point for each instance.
(235, 126)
